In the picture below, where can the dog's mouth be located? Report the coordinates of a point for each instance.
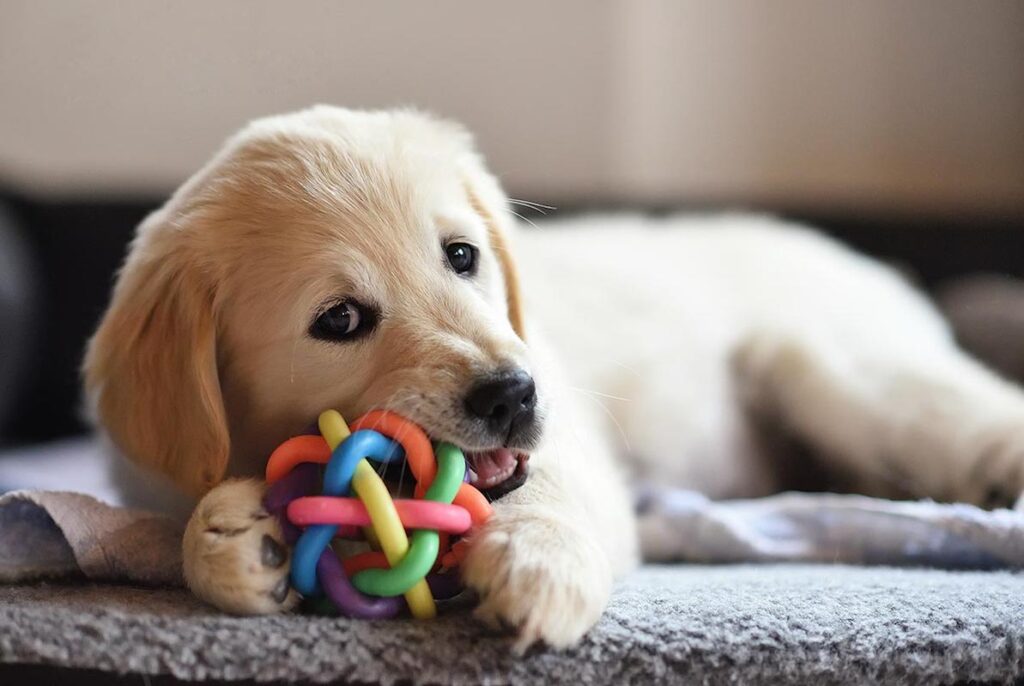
(495, 472)
(498, 471)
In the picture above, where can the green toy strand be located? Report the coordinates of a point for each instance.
(424, 543)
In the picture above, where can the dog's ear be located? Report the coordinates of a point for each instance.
(151, 368)
(490, 203)
(502, 250)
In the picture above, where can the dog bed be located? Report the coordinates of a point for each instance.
(776, 622)
(785, 623)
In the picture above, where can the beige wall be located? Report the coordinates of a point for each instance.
(876, 103)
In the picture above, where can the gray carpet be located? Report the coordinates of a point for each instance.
(689, 624)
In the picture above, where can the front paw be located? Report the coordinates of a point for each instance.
(544, 576)
(233, 553)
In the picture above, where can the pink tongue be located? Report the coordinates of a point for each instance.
(492, 463)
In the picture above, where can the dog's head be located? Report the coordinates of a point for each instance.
(324, 259)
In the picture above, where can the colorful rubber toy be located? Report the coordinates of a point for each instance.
(421, 567)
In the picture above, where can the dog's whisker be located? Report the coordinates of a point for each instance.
(530, 207)
(530, 203)
(600, 394)
(291, 363)
(401, 475)
(625, 366)
(539, 207)
(615, 421)
(528, 221)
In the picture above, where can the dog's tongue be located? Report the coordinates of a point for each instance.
(492, 466)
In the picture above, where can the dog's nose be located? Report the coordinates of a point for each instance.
(503, 400)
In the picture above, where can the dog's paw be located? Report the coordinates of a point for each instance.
(233, 552)
(544, 577)
(996, 479)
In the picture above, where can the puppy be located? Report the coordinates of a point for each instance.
(356, 260)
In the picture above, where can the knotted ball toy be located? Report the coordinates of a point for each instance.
(356, 504)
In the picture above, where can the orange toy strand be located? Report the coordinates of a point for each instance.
(474, 501)
(295, 451)
(419, 454)
(371, 559)
(455, 556)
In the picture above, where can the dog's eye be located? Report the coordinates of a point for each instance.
(461, 257)
(343, 321)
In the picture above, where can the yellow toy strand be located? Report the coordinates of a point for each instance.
(333, 428)
(386, 523)
(371, 490)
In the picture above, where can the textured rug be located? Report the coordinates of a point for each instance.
(788, 623)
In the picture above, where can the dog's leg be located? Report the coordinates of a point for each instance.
(919, 421)
(233, 552)
(545, 562)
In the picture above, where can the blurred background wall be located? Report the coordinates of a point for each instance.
(897, 125)
(909, 104)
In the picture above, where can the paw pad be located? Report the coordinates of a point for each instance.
(272, 553)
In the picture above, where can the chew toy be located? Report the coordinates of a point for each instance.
(419, 567)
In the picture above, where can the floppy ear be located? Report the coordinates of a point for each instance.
(489, 202)
(151, 368)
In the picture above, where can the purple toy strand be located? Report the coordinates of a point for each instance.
(301, 481)
(346, 597)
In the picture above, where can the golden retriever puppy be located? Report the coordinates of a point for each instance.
(350, 260)
(357, 260)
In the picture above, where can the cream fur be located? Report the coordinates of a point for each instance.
(655, 345)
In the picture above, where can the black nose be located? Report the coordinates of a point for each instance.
(504, 401)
